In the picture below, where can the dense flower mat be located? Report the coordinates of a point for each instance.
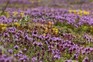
(46, 35)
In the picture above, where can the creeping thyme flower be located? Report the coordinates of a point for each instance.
(17, 24)
(10, 51)
(15, 13)
(22, 14)
(3, 26)
(86, 59)
(55, 30)
(16, 47)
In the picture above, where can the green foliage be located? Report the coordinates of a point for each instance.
(60, 60)
(71, 28)
(90, 0)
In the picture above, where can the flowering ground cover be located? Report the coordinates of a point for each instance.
(45, 34)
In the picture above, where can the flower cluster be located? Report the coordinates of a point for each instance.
(79, 12)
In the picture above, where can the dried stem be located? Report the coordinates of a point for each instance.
(4, 8)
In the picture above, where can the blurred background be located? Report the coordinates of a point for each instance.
(70, 4)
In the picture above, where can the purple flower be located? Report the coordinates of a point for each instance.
(68, 61)
(10, 51)
(57, 56)
(16, 47)
(34, 59)
(86, 59)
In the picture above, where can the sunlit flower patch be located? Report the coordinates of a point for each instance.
(79, 12)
